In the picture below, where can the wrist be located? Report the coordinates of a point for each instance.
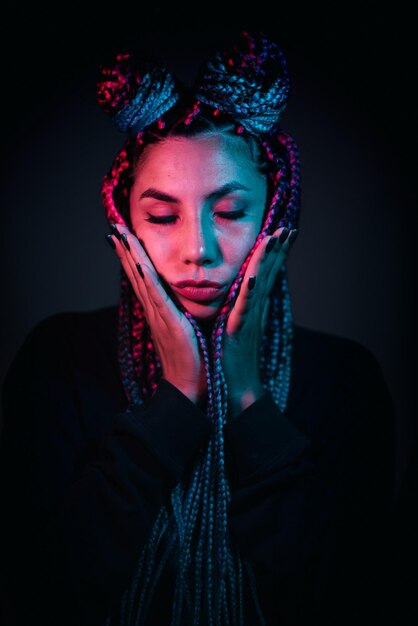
(240, 399)
(185, 389)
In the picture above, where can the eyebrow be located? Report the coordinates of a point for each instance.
(226, 189)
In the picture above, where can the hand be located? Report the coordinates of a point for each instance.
(245, 325)
(172, 333)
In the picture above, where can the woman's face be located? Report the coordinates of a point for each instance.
(197, 205)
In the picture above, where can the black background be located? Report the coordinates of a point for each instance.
(352, 111)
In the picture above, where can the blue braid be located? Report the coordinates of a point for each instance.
(239, 84)
(213, 537)
(157, 94)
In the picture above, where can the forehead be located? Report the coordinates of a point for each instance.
(210, 160)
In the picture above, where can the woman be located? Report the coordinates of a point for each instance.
(193, 456)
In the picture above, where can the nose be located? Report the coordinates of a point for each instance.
(199, 244)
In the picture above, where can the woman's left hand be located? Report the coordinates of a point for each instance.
(245, 325)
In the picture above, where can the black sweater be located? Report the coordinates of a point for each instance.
(82, 480)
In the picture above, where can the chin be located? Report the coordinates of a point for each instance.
(199, 310)
(203, 311)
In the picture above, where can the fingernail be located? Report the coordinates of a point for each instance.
(283, 235)
(294, 233)
(110, 241)
(139, 268)
(115, 231)
(270, 244)
(251, 281)
(125, 241)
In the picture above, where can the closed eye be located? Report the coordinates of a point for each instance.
(170, 219)
(160, 220)
(232, 215)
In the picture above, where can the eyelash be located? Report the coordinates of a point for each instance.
(165, 220)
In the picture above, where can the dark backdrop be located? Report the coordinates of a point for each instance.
(351, 111)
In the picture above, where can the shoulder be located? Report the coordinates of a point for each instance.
(73, 323)
(328, 349)
(339, 363)
(340, 396)
(61, 338)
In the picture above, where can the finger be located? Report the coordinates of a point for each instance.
(254, 280)
(285, 243)
(123, 250)
(144, 279)
(264, 261)
(134, 253)
(130, 271)
(151, 283)
(153, 293)
(261, 273)
(279, 253)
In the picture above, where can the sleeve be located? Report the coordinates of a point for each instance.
(313, 516)
(76, 514)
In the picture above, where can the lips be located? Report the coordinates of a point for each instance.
(200, 294)
(198, 283)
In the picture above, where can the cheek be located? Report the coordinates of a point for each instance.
(156, 248)
(151, 241)
(237, 243)
(234, 243)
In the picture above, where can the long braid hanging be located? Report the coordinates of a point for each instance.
(192, 529)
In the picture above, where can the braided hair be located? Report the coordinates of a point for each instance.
(242, 91)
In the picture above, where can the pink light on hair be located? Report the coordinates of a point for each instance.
(110, 182)
(193, 113)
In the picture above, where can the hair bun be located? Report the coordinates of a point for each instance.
(250, 82)
(134, 93)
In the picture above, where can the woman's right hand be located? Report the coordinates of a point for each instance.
(172, 333)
